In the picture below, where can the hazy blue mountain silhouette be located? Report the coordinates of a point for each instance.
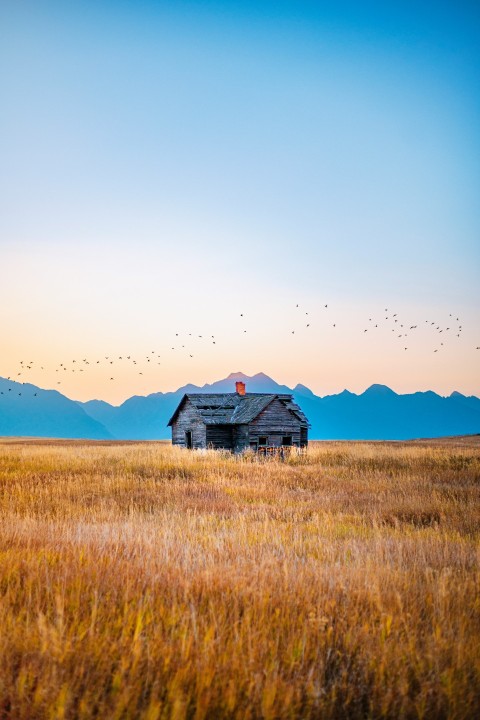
(139, 417)
(471, 400)
(381, 414)
(48, 414)
(376, 414)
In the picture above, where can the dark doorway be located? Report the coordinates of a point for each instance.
(287, 440)
(188, 439)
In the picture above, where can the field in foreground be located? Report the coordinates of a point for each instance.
(139, 580)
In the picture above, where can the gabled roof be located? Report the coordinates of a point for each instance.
(235, 409)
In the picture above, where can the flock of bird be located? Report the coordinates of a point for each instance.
(404, 330)
(442, 334)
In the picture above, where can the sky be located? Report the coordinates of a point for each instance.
(171, 170)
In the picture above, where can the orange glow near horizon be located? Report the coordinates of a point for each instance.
(325, 358)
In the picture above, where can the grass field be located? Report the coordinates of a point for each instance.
(139, 580)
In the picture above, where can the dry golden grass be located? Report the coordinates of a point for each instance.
(142, 581)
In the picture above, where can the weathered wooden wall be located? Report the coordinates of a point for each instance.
(274, 423)
(240, 438)
(189, 419)
(220, 436)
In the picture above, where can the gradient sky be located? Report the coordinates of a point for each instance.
(167, 166)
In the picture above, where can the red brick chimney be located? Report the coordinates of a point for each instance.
(240, 387)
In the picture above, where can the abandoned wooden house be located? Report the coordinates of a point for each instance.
(238, 421)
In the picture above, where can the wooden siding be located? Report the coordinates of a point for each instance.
(189, 419)
(240, 438)
(220, 437)
(275, 423)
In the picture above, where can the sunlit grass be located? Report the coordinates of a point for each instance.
(140, 580)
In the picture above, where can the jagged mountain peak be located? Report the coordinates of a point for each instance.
(240, 376)
(379, 390)
(303, 390)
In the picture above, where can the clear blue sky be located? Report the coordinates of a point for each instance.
(255, 155)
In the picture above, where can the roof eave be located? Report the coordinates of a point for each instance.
(179, 407)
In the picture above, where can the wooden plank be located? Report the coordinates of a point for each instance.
(220, 437)
(189, 419)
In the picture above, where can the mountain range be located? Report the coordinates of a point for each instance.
(379, 413)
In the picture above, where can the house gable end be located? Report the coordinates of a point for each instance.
(175, 414)
(188, 426)
(183, 404)
(275, 422)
